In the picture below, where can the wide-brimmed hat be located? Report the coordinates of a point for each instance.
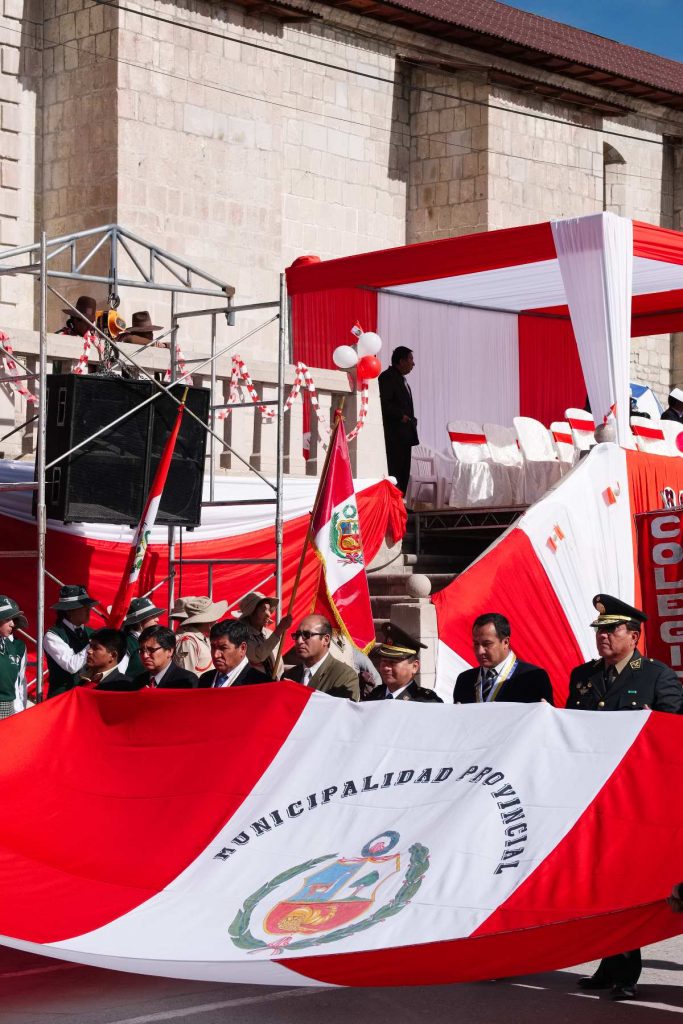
(198, 610)
(9, 609)
(251, 601)
(141, 323)
(71, 596)
(141, 608)
(676, 394)
(86, 305)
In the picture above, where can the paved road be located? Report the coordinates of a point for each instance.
(36, 990)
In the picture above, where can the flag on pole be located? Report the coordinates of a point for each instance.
(138, 549)
(335, 531)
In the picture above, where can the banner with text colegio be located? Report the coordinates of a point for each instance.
(272, 834)
(660, 564)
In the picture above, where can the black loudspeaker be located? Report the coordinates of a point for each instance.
(108, 479)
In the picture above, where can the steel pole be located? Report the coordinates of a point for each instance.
(41, 524)
(171, 529)
(280, 464)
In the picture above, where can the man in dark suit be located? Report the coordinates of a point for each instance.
(675, 410)
(106, 648)
(319, 669)
(229, 639)
(398, 415)
(157, 647)
(501, 676)
(399, 663)
(621, 680)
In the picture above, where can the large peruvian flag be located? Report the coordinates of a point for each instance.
(335, 529)
(328, 842)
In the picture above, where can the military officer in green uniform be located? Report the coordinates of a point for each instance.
(141, 613)
(12, 658)
(399, 663)
(65, 644)
(621, 679)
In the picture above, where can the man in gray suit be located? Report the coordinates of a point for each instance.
(318, 668)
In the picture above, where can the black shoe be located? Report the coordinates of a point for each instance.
(621, 992)
(594, 982)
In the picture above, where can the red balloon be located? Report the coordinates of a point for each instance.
(679, 441)
(369, 367)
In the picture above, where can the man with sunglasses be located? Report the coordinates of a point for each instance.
(319, 669)
(621, 679)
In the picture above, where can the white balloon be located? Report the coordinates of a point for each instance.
(345, 357)
(369, 344)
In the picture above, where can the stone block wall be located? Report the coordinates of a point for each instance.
(449, 156)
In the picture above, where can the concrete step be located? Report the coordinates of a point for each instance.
(440, 580)
(382, 604)
(388, 583)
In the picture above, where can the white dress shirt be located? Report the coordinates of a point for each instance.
(310, 671)
(231, 676)
(59, 650)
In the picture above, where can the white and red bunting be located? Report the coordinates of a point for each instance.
(327, 842)
(336, 534)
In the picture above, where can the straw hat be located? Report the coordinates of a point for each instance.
(198, 610)
(251, 601)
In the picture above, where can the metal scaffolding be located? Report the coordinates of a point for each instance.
(156, 269)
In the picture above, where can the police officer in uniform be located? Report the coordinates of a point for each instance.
(399, 663)
(65, 644)
(621, 679)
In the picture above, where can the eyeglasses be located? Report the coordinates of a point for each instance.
(305, 634)
(151, 650)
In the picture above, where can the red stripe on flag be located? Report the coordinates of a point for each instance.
(127, 775)
(467, 438)
(510, 579)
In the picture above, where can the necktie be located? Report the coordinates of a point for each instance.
(80, 634)
(608, 676)
(487, 683)
(388, 695)
(221, 679)
(306, 677)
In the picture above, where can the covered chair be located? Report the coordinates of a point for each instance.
(476, 479)
(671, 430)
(561, 433)
(542, 466)
(505, 451)
(649, 436)
(582, 426)
(424, 477)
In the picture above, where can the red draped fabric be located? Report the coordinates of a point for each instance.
(550, 374)
(99, 564)
(323, 320)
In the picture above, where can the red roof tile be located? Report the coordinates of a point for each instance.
(532, 31)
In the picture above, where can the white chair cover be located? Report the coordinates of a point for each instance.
(582, 426)
(561, 433)
(649, 436)
(542, 468)
(671, 431)
(505, 451)
(476, 480)
(424, 477)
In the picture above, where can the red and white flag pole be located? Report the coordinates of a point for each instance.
(138, 549)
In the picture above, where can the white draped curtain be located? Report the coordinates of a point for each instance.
(595, 255)
(466, 362)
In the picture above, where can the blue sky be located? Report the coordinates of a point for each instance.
(655, 25)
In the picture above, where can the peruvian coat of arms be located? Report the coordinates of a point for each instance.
(336, 897)
(345, 535)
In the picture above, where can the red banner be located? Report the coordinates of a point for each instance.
(660, 562)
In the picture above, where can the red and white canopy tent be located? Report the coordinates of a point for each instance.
(523, 321)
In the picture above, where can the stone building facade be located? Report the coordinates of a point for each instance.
(242, 136)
